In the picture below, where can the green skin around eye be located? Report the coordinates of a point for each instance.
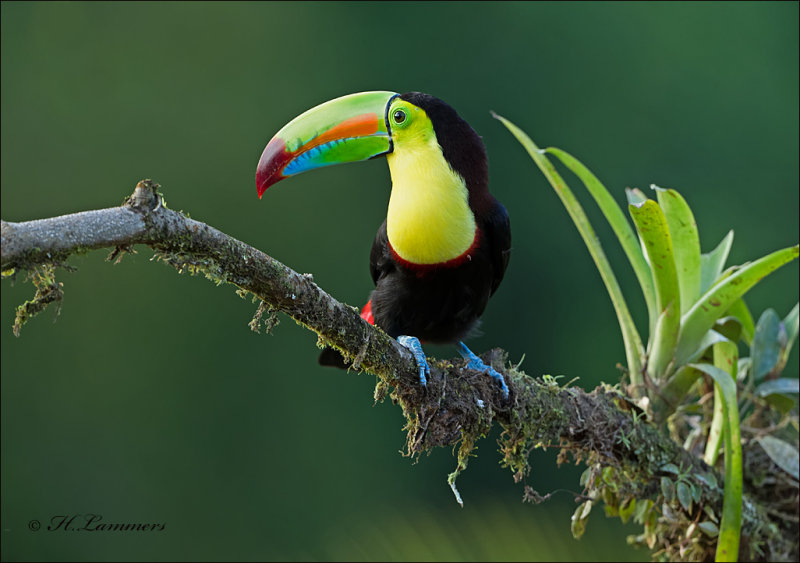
(400, 115)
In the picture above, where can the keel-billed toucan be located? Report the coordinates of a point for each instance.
(444, 246)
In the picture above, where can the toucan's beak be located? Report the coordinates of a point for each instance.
(347, 129)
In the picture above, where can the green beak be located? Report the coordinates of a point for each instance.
(347, 129)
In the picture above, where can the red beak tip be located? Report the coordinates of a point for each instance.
(272, 161)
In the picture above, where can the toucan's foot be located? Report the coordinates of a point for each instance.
(413, 344)
(474, 362)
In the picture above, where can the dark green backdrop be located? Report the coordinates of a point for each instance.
(150, 400)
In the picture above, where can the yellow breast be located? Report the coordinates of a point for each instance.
(429, 220)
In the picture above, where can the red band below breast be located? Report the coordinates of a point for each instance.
(422, 268)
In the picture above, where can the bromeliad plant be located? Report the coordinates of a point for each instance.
(696, 317)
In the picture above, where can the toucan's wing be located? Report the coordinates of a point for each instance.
(380, 257)
(497, 228)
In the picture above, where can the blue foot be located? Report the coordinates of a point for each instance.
(413, 344)
(474, 362)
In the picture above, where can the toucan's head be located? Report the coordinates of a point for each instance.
(369, 124)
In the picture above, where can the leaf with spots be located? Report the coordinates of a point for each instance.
(716, 301)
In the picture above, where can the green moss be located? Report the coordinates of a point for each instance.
(264, 316)
(537, 426)
(47, 291)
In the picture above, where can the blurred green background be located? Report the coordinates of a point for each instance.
(150, 400)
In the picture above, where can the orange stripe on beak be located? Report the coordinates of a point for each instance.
(359, 126)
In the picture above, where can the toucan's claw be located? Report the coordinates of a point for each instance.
(474, 362)
(415, 347)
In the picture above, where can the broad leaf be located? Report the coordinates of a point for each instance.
(777, 393)
(651, 225)
(626, 509)
(784, 385)
(709, 528)
(713, 304)
(580, 518)
(684, 495)
(784, 454)
(766, 348)
(685, 244)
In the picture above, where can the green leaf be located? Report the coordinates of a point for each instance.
(579, 519)
(711, 338)
(715, 431)
(740, 311)
(609, 476)
(652, 227)
(707, 479)
(713, 304)
(695, 492)
(685, 244)
(709, 528)
(642, 510)
(726, 355)
(792, 324)
(710, 513)
(782, 386)
(619, 224)
(781, 403)
(730, 327)
(684, 495)
(663, 341)
(626, 509)
(790, 327)
(730, 527)
(585, 476)
(766, 346)
(670, 468)
(667, 489)
(744, 369)
(634, 351)
(650, 528)
(611, 501)
(674, 390)
(712, 263)
(784, 454)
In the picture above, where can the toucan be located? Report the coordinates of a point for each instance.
(445, 244)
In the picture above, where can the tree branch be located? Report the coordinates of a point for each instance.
(628, 458)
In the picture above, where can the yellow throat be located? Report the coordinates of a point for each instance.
(429, 220)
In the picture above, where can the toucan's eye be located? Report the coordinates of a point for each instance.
(399, 116)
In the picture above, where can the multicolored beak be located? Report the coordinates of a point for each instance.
(348, 129)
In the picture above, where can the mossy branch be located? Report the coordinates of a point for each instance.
(629, 459)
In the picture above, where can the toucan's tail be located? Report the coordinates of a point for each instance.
(331, 357)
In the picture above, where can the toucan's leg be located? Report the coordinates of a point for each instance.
(413, 344)
(474, 362)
